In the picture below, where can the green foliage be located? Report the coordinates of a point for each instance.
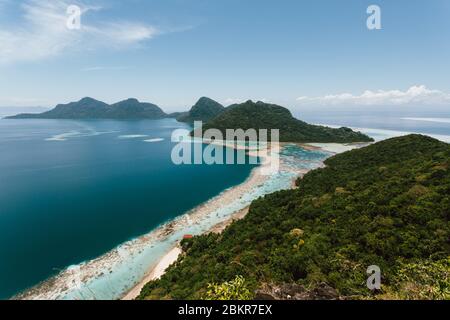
(204, 110)
(235, 289)
(88, 108)
(259, 115)
(313, 234)
(421, 281)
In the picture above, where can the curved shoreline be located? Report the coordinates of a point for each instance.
(165, 262)
(58, 286)
(172, 256)
(122, 271)
(76, 282)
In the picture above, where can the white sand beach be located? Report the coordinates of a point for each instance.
(172, 256)
(336, 147)
(146, 258)
(93, 279)
(255, 178)
(258, 176)
(156, 273)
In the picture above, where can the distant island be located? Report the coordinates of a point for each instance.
(204, 110)
(88, 108)
(386, 205)
(256, 115)
(260, 115)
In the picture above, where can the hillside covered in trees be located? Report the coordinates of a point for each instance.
(88, 108)
(387, 205)
(204, 110)
(260, 115)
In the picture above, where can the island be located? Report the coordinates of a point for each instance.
(89, 108)
(260, 115)
(248, 115)
(385, 205)
(204, 110)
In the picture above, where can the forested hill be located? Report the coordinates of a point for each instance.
(387, 205)
(88, 108)
(260, 115)
(204, 110)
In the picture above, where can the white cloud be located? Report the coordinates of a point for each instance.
(419, 95)
(42, 32)
(122, 33)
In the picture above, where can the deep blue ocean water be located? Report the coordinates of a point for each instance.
(73, 190)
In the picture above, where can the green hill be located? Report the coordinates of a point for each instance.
(132, 108)
(204, 110)
(88, 108)
(387, 205)
(261, 115)
(176, 115)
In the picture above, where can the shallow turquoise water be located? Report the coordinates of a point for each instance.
(72, 190)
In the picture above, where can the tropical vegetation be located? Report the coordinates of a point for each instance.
(387, 204)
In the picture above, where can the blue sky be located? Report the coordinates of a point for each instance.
(171, 52)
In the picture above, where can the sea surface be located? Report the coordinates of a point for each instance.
(381, 127)
(72, 191)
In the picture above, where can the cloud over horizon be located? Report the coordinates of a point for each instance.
(42, 32)
(418, 94)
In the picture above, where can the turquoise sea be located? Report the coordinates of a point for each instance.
(71, 191)
(74, 191)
